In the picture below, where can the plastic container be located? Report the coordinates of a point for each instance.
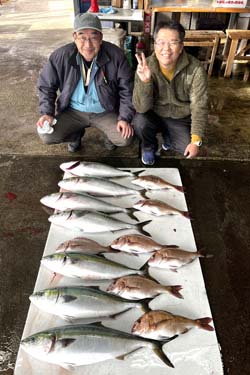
(46, 128)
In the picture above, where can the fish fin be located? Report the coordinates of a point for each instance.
(127, 355)
(143, 193)
(119, 313)
(67, 298)
(142, 225)
(66, 342)
(203, 323)
(68, 318)
(174, 290)
(144, 304)
(74, 165)
(170, 247)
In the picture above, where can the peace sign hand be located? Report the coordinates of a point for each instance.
(143, 71)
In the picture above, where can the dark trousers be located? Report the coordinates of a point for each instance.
(175, 132)
(72, 123)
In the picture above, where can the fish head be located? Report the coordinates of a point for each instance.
(120, 243)
(47, 296)
(116, 286)
(50, 199)
(155, 259)
(60, 217)
(141, 326)
(39, 345)
(55, 262)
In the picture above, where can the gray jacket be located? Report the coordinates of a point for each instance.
(184, 95)
(113, 80)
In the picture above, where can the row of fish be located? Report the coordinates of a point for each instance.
(81, 344)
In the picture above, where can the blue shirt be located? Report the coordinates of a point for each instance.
(86, 101)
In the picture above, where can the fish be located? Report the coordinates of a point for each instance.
(93, 222)
(162, 325)
(76, 345)
(136, 287)
(158, 208)
(84, 245)
(68, 201)
(152, 182)
(94, 169)
(98, 187)
(87, 267)
(79, 302)
(173, 258)
(136, 243)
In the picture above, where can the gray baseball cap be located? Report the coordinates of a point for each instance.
(87, 21)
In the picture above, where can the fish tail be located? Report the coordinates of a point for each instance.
(175, 291)
(131, 213)
(186, 214)
(161, 355)
(135, 174)
(141, 226)
(203, 323)
(143, 193)
(201, 254)
(180, 188)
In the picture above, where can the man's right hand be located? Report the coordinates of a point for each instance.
(143, 71)
(44, 118)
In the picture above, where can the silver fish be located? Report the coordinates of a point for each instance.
(161, 325)
(68, 201)
(135, 243)
(98, 187)
(85, 266)
(79, 302)
(172, 258)
(93, 169)
(84, 245)
(152, 182)
(80, 344)
(138, 287)
(93, 222)
(158, 208)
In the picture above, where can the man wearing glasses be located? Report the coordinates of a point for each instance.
(170, 96)
(87, 83)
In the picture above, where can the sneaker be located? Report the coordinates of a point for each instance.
(165, 146)
(75, 146)
(148, 157)
(109, 145)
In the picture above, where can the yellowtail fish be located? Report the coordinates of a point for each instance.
(152, 182)
(86, 267)
(173, 258)
(94, 169)
(79, 302)
(158, 208)
(93, 222)
(98, 187)
(161, 325)
(138, 287)
(83, 344)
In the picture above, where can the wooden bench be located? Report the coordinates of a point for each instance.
(239, 46)
(205, 38)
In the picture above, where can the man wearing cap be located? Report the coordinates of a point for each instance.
(87, 83)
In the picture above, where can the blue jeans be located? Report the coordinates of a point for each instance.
(177, 132)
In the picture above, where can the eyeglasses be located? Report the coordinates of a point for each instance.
(162, 43)
(92, 39)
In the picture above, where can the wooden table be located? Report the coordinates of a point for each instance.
(188, 6)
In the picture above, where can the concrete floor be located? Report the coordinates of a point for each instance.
(217, 183)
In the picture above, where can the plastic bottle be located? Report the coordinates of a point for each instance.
(140, 46)
(126, 4)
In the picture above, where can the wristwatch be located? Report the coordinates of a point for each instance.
(197, 143)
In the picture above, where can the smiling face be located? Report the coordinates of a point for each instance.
(88, 43)
(168, 47)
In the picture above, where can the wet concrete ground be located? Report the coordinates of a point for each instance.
(217, 183)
